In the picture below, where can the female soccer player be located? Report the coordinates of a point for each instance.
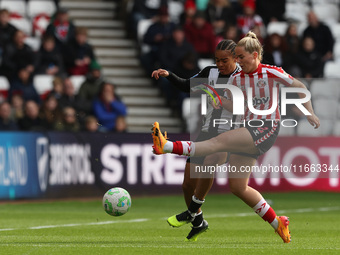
(245, 142)
(225, 67)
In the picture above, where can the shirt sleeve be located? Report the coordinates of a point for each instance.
(279, 75)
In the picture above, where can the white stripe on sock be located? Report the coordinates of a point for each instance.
(168, 147)
(261, 207)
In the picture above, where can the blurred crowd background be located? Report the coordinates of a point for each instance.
(180, 36)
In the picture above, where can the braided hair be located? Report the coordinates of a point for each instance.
(227, 45)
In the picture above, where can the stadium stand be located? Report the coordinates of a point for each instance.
(17, 7)
(119, 56)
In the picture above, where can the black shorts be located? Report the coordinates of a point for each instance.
(202, 136)
(264, 137)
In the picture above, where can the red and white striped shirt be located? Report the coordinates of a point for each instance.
(264, 81)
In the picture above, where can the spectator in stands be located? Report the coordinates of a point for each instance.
(258, 31)
(55, 1)
(275, 51)
(61, 28)
(220, 14)
(17, 56)
(69, 121)
(293, 45)
(171, 55)
(186, 68)
(321, 35)
(50, 112)
(7, 30)
(156, 35)
(309, 60)
(24, 86)
(249, 19)
(172, 51)
(31, 120)
(108, 107)
(48, 59)
(201, 35)
(145, 9)
(68, 97)
(189, 12)
(17, 103)
(292, 38)
(270, 10)
(91, 124)
(78, 54)
(89, 89)
(121, 126)
(230, 33)
(202, 5)
(58, 87)
(6, 123)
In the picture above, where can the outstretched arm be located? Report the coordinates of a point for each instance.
(312, 119)
(180, 83)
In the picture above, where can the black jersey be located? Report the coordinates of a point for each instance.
(209, 75)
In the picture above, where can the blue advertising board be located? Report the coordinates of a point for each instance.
(23, 157)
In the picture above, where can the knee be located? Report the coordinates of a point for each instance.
(218, 144)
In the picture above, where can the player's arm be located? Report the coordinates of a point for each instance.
(312, 119)
(178, 82)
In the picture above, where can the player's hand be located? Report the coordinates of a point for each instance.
(217, 105)
(313, 120)
(160, 72)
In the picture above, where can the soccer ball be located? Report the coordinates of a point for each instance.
(116, 201)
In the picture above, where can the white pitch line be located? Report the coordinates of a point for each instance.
(301, 210)
(78, 224)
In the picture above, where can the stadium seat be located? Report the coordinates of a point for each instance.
(4, 86)
(40, 23)
(327, 12)
(142, 27)
(325, 88)
(203, 62)
(331, 69)
(301, 27)
(16, 7)
(306, 129)
(77, 80)
(22, 24)
(296, 11)
(43, 83)
(33, 42)
(277, 27)
(336, 51)
(335, 28)
(36, 7)
(190, 113)
(326, 108)
(175, 10)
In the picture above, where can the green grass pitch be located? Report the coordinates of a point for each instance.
(82, 227)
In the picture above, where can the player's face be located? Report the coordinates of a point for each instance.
(247, 61)
(225, 61)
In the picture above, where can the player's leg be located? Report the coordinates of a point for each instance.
(196, 217)
(238, 140)
(238, 183)
(204, 184)
(189, 184)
